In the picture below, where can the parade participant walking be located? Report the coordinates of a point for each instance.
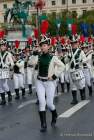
(6, 63)
(29, 69)
(77, 79)
(87, 66)
(49, 68)
(19, 75)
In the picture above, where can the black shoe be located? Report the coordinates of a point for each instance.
(90, 91)
(54, 118)
(9, 96)
(17, 94)
(42, 115)
(82, 94)
(74, 102)
(68, 87)
(3, 102)
(74, 95)
(62, 87)
(37, 102)
(23, 92)
(30, 89)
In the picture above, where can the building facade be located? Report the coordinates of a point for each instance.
(80, 6)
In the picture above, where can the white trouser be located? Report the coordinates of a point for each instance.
(62, 77)
(78, 84)
(35, 76)
(67, 77)
(87, 76)
(29, 75)
(4, 85)
(45, 89)
(18, 80)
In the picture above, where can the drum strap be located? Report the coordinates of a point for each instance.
(76, 55)
(3, 59)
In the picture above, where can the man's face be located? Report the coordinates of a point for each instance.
(75, 45)
(45, 48)
(85, 50)
(3, 47)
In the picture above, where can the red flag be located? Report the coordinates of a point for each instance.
(17, 43)
(74, 29)
(44, 26)
(40, 4)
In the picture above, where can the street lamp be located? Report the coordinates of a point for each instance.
(39, 6)
(67, 5)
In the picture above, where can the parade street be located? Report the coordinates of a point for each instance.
(20, 120)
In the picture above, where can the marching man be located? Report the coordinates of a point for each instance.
(29, 69)
(6, 63)
(49, 68)
(19, 75)
(77, 78)
(87, 66)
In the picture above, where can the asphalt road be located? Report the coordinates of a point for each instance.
(20, 121)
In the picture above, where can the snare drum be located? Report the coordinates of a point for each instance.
(77, 75)
(4, 74)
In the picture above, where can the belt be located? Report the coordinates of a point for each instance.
(85, 67)
(30, 66)
(44, 79)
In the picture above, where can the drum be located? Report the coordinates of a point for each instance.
(4, 74)
(77, 75)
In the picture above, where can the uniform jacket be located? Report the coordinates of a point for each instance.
(55, 67)
(20, 64)
(8, 61)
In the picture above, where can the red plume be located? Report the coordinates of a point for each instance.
(62, 41)
(53, 41)
(82, 39)
(89, 39)
(29, 41)
(36, 33)
(2, 33)
(17, 43)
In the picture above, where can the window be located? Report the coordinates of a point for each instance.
(4, 6)
(63, 2)
(73, 1)
(33, 3)
(53, 2)
(74, 14)
(84, 1)
(84, 11)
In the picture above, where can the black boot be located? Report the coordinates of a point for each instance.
(54, 118)
(62, 87)
(42, 115)
(90, 91)
(74, 95)
(17, 94)
(82, 94)
(68, 87)
(3, 102)
(23, 92)
(30, 89)
(9, 96)
(37, 102)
